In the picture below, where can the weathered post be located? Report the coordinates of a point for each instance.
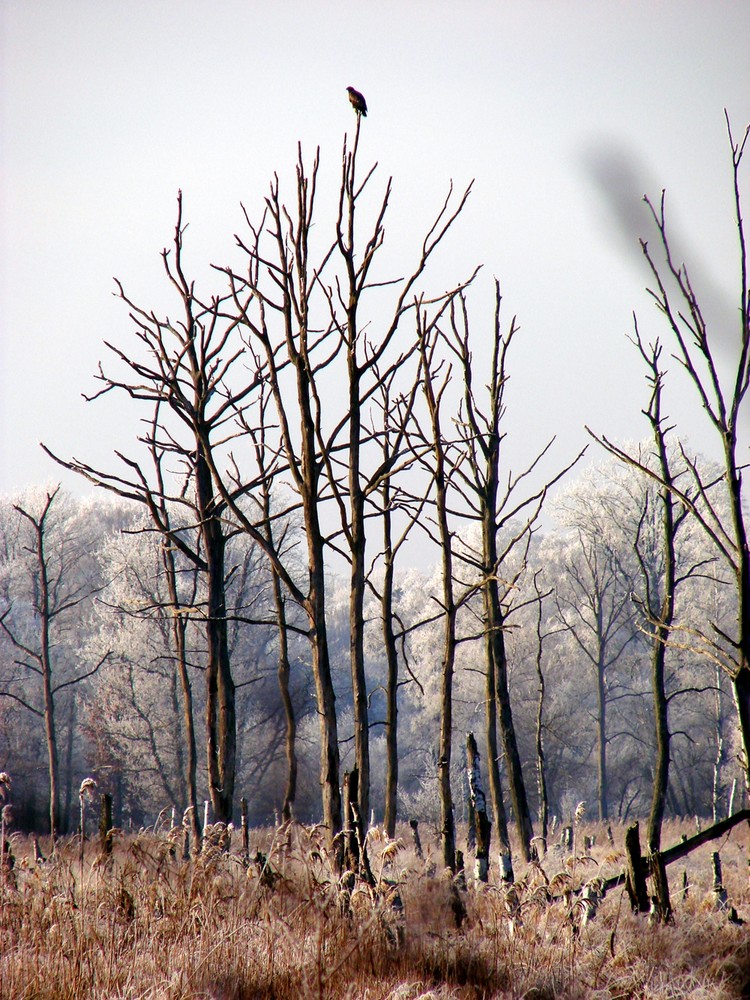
(355, 850)
(186, 825)
(458, 883)
(506, 868)
(663, 910)
(349, 833)
(244, 828)
(105, 824)
(414, 824)
(88, 785)
(5, 786)
(720, 893)
(635, 877)
(478, 804)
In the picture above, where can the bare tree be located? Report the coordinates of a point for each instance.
(593, 603)
(659, 578)
(541, 770)
(273, 304)
(306, 326)
(185, 375)
(718, 367)
(493, 500)
(434, 384)
(57, 588)
(659, 572)
(369, 360)
(276, 537)
(395, 415)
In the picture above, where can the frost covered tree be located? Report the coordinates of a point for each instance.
(47, 581)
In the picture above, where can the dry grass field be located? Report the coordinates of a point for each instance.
(145, 924)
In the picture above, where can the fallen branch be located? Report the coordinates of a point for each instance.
(686, 847)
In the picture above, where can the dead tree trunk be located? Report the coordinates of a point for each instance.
(494, 503)
(353, 833)
(349, 832)
(105, 824)
(635, 881)
(662, 902)
(541, 771)
(391, 655)
(479, 809)
(414, 824)
(179, 640)
(434, 394)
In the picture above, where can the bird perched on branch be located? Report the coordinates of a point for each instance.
(358, 102)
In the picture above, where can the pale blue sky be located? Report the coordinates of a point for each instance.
(108, 108)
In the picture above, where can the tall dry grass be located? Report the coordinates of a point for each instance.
(148, 925)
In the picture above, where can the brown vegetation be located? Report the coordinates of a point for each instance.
(147, 924)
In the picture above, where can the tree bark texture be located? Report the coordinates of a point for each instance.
(479, 809)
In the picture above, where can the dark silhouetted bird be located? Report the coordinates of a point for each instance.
(358, 102)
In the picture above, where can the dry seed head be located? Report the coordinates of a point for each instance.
(88, 786)
(560, 882)
(580, 811)
(391, 849)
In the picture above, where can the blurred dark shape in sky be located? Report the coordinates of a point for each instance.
(622, 180)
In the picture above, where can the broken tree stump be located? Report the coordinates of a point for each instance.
(244, 829)
(105, 824)
(414, 824)
(355, 852)
(478, 802)
(349, 833)
(720, 893)
(635, 875)
(506, 868)
(662, 903)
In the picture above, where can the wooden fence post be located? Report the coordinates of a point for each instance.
(635, 877)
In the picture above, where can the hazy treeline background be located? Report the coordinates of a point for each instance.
(124, 724)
